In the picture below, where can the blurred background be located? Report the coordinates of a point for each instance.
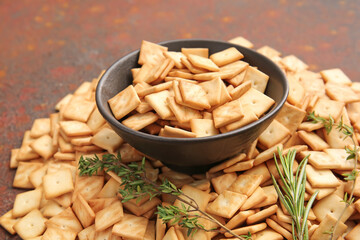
(47, 48)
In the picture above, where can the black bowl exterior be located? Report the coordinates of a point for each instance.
(197, 153)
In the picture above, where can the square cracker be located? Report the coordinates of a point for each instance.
(203, 127)
(131, 227)
(58, 183)
(30, 226)
(140, 120)
(151, 53)
(269, 52)
(200, 197)
(325, 108)
(240, 90)
(24, 170)
(176, 132)
(294, 64)
(259, 102)
(226, 56)
(339, 156)
(124, 102)
(26, 202)
(256, 198)
(313, 140)
(290, 117)
(321, 178)
(41, 126)
(257, 78)
(223, 182)
(89, 187)
(273, 134)
(176, 57)
(213, 90)
(191, 67)
(107, 139)
(326, 226)
(240, 166)
(335, 75)
(202, 52)
(74, 128)
(321, 160)
(246, 184)
(78, 109)
(108, 216)
(226, 204)
(341, 93)
(44, 147)
(239, 219)
(242, 42)
(66, 221)
(233, 160)
(83, 211)
(95, 120)
(296, 92)
(7, 222)
(158, 101)
(249, 117)
(202, 62)
(194, 95)
(182, 113)
(58, 233)
(271, 197)
(227, 113)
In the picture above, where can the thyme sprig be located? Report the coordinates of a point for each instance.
(292, 192)
(353, 153)
(135, 185)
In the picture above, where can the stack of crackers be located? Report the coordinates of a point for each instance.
(60, 204)
(190, 93)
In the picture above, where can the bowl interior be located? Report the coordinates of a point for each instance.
(119, 76)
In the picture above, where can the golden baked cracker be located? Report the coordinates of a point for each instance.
(294, 64)
(158, 101)
(296, 92)
(83, 211)
(30, 226)
(240, 166)
(98, 204)
(321, 178)
(108, 216)
(313, 86)
(313, 140)
(140, 120)
(26, 202)
(131, 227)
(273, 134)
(84, 88)
(257, 78)
(240, 90)
(51, 208)
(268, 234)
(290, 117)
(203, 127)
(326, 226)
(202, 62)
(223, 182)
(41, 126)
(276, 227)
(58, 183)
(24, 170)
(239, 219)
(153, 89)
(341, 93)
(339, 156)
(323, 192)
(246, 184)
(203, 184)
(151, 53)
(66, 220)
(65, 147)
(95, 120)
(74, 128)
(259, 102)
(13, 163)
(200, 197)
(64, 200)
(139, 210)
(272, 168)
(325, 108)
(194, 95)
(310, 126)
(177, 178)
(242, 42)
(191, 67)
(182, 113)
(233, 69)
(89, 187)
(54, 120)
(181, 74)
(226, 204)
(58, 233)
(227, 113)
(143, 107)
(202, 52)
(64, 101)
(44, 147)
(335, 75)
(36, 177)
(261, 215)
(349, 186)
(81, 141)
(256, 198)
(238, 79)
(320, 160)
(259, 170)
(237, 158)
(176, 132)
(78, 109)
(213, 90)
(110, 189)
(245, 230)
(87, 149)
(124, 102)
(249, 117)
(271, 197)
(167, 69)
(176, 57)
(267, 154)
(354, 233)
(7, 222)
(161, 68)
(268, 51)
(226, 56)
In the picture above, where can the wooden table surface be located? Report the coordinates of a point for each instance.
(47, 48)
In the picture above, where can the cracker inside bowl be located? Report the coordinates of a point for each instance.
(192, 154)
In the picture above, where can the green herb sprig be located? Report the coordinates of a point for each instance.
(135, 185)
(292, 192)
(353, 153)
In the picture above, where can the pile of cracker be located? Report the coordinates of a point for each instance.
(60, 204)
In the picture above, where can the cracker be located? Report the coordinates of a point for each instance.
(242, 42)
(89, 187)
(74, 128)
(140, 120)
(36, 177)
(323, 192)
(238, 79)
(313, 140)
(335, 75)
(98, 204)
(41, 126)
(83, 211)
(354, 233)
(259, 102)
(325, 108)
(108, 216)
(321, 160)
(294, 64)
(249, 117)
(245, 230)
(64, 101)
(30, 226)
(290, 117)
(66, 221)
(131, 227)
(240, 90)
(176, 132)
(95, 120)
(341, 93)
(139, 210)
(273, 134)
(257, 78)
(181, 74)
(226, 56)
(259, 170)
(203, 127)
(223, 182)
(314, 86)
(268, 51)
(271, 197)
(124, 102)
(194, 95)
(202, 52)
(182, 113)
(24, 170)
(256, 198)
(213, 90)
(261, 215)
(268, 234)
(58, 233)
(226, 204)
(44, 147)
(200, 197)
(246, 184)
(129, 154)
(310, 126)
(321, 178)
(158, 101)
(26, 202)
(64, 200)
(267, 154)
(237, 158)
(276, 227)
(7, 222)
(239, 219)
(151, 53)
(110, 189)
(227, 113)
(13, 163)
(81, 141)
(339, 156)
(78, 109)
(51, 208)
(176, 57)
(191, 67)
(58, 183)
(326, 226)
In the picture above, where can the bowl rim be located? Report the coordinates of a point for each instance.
(113, 121)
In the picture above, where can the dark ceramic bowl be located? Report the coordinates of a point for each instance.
(191, 155)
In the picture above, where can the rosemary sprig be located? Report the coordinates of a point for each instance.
(353, 153)
(292, 192)
(135, 185)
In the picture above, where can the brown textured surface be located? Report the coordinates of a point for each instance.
(47, 48)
